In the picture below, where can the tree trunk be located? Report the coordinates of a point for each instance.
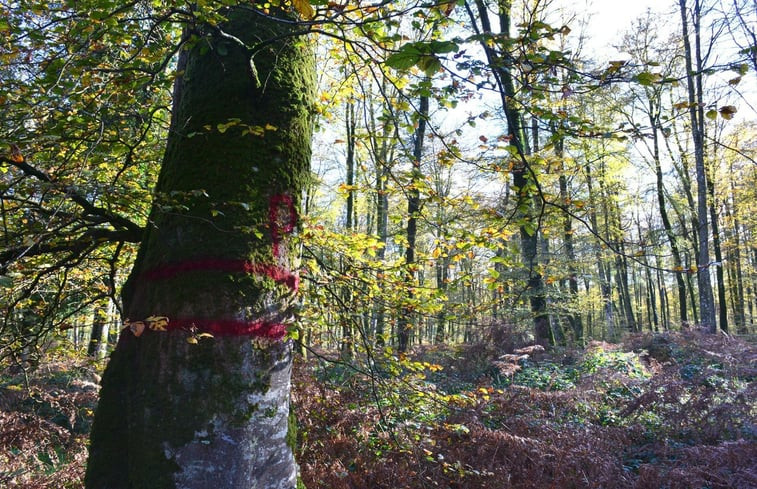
(672, 238)
(179, 408)
(574, 318)
(404, 323)
(382, 155)
(522, 179)
(720, 279)
(347, 315)
(734, 260)
(605, 278)
(98, 339)
(696, 113)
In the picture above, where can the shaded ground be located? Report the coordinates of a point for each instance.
(663, 411)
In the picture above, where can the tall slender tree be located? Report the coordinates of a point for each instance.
(694, 74)
(496, 45)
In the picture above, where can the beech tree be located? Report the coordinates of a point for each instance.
(196, 393)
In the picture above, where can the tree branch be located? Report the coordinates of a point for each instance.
(114, 219)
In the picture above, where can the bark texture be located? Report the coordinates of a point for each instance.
(179, 409)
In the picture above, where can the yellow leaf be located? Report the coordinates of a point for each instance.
(192, 340)
(304, 8)
(157, 323)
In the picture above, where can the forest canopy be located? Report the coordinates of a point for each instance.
(474, 164)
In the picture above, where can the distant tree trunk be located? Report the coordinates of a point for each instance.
(442, 277)
(529, 236)
(381, 154)
(720, 279)
(98, 340)
(650, 296)
(736, 276)
(346, 315)
(179, 408)
(621, 270)
(404, 323)
(574, 318)
(605, 279)
(672, 238)
(693, 60)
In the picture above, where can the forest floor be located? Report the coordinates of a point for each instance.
(654, 411)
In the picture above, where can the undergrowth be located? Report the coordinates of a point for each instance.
(656, 411)
(663, 411)
(45, 417)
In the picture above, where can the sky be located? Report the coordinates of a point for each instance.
(609, 19)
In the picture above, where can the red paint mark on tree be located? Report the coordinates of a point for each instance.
(278, 274)
(282, 217)
(258, 328)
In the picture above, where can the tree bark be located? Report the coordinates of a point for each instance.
(672, 238)
(719, 278)
(98, 338)
(696, 114)
(501, 67)
(347, 315)
(605, 278)
(180, 409)
(404, 323)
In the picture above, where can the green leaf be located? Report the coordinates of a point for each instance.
(443, 47)
(646, 78)
(422, 54)
(430, 65)
(529, 227)
(404, 59)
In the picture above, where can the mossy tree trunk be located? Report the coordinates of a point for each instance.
(180, 408)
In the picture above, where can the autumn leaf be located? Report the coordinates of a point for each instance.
(727, 111)
(157, 323)
(448, 7)
(16, 155)
(304, 8)
(646, 78)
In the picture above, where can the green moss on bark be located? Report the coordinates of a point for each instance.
(175, 414)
